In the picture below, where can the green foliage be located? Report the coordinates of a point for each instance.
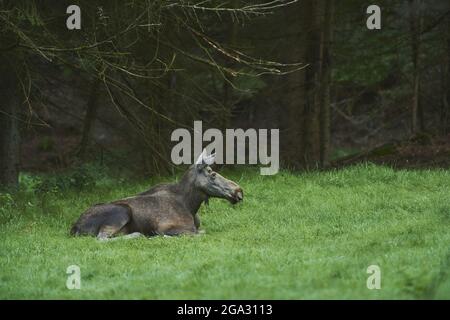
(30, 14)
(29, 182)
(46, 144)
(363, 57)
(369, 63)
(309, 235)
(342, 152)
(67, 72)
(7, 207)
(83, 177)
(248, 86)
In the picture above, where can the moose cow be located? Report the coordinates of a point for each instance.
(165, 209)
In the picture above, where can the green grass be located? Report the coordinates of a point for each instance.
(295, 236)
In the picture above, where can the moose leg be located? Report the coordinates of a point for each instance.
(197, 224)
(177, 225)
(127, 236)
(197, 221)
(178, 231)
(116, 220)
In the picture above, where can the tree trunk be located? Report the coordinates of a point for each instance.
(10, 102)
(301, 132)
(415, 26)
(89, 118)
(228, 79)
(327, 37)
(311, 130)
(445, 107)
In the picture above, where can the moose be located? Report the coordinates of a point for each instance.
(165, 209)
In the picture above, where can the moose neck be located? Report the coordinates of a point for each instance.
(193, 197)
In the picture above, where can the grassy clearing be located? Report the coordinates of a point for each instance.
(295, 236)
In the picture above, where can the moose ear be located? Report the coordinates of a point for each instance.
(204, 160)
(209, 160)
(201, 157)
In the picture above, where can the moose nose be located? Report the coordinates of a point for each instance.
(239, 194)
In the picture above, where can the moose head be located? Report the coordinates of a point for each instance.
(211, 183)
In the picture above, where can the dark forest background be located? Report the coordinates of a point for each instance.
(112, 92)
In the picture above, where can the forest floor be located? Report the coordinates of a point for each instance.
(295, 236)
(421, 152)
